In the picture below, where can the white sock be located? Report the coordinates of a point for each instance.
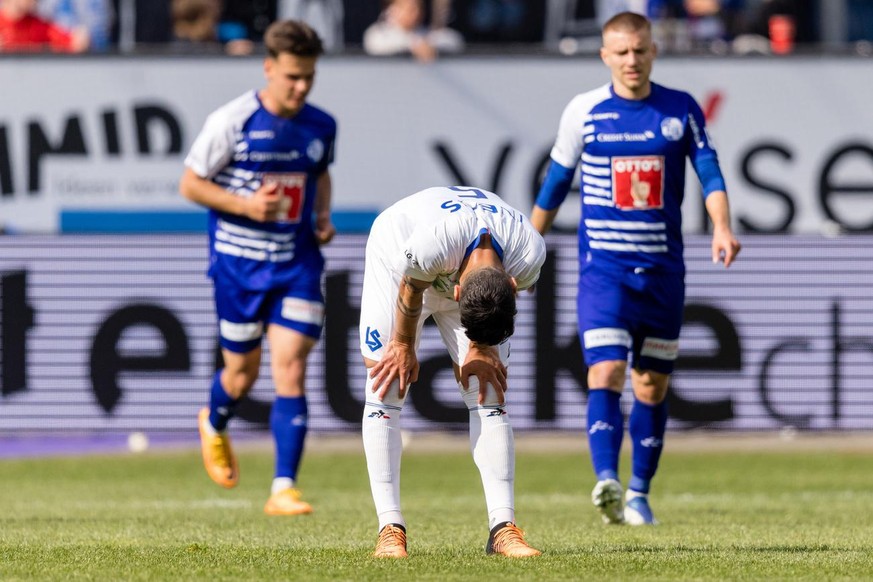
(281, 484)
(493, 448)
(382, 446)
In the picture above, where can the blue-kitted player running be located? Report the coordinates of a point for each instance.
(260, 165)
(631, 138)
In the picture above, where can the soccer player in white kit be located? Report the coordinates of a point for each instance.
(459, 255)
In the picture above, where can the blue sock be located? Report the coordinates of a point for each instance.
(647, 426)
(221, 405)
(288, 423)
(605, 431)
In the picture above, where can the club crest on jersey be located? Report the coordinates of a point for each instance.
(315, 150)
(672, 129)
(373, 339)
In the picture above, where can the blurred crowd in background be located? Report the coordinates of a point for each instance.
(426, 29)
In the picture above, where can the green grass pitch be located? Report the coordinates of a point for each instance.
(747, 514)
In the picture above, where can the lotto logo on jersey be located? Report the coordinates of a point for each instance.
(638, 182)
(292, 189)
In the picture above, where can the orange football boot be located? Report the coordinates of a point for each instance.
(287, 502)
(218, 457)
(507, 540)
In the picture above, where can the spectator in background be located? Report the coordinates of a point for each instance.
(324, 16)
(400, 30)
(22, 30)
(497, 20)
(96, 16)
(246, 19)
(683, 25)
(196, 24)
(712, 21)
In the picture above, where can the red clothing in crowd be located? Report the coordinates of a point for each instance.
(31, 33)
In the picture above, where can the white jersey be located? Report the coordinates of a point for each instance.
(428, 235)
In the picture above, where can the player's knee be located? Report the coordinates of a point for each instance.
(290, 376)
(650, 387)
(609, 374)
(238, 383)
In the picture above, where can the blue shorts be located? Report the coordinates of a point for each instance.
(243, 315)
(630, 315)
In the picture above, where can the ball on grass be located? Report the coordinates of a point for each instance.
(137, 442)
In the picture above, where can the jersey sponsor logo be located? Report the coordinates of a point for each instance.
(315, 150)
(444, 284)
(606, 336)
(662, 349)
(638, 182)
(695, 131)
(672, 128)
(412, 260)
(240, 332)
(373, 339)
(260, 156)
(302, 310)
(292, 189)
(604, 115)
(262, 134)
(625, 137)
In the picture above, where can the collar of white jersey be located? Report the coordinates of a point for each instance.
(494, 243)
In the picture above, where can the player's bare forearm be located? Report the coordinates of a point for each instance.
(410, 300)
(209, 194)
(260, 206)
(542, 219)
(725, 246)
(399, 361)
(324, 228)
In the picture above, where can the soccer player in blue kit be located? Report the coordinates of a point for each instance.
(631, 138)
(260, 165)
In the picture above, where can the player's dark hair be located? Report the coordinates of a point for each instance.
(487, 306)
(293, 37)
(627, 22)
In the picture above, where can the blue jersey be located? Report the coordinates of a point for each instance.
(632, 157)
(241, 147)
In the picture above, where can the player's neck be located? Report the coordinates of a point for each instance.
(632, 94)
(483, 255)
(274, 107)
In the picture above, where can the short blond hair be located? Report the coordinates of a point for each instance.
(627, 22)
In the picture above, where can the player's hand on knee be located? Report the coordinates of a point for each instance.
(484, 363)
(398, 363)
